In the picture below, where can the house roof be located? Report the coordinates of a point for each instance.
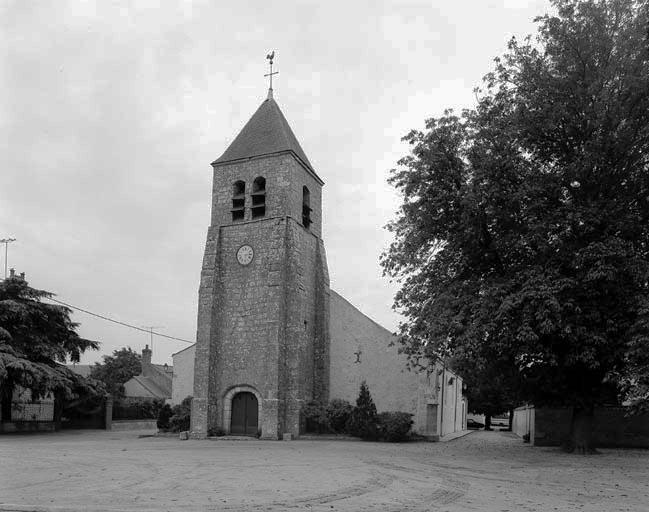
(81, 369)
(186, 348)
(151, 386)
(165, 369)
(267, 132)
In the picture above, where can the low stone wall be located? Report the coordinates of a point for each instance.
(550, 426)
(121, 425)
(27, 426)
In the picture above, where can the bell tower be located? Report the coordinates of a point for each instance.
(262, 344)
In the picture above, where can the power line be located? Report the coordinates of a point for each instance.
(148, 331)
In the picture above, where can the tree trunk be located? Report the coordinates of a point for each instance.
(487, 421)
(6, 396)
(59, 403)
(581, 431)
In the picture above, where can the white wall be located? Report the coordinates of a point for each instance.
(183, 378)
(392, 385)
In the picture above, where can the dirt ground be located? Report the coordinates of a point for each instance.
(484, 471)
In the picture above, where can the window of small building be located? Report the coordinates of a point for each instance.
(258, 196)
(306, 208)
(238, 200)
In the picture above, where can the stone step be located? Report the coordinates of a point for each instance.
(235, 438)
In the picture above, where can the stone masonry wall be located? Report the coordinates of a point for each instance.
(249, 318)
(550, 426)
(285, 177)
(257, 324)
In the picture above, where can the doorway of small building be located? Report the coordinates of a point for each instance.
(245, 414)
(431, 419)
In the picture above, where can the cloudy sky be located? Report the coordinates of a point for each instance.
(111, 112)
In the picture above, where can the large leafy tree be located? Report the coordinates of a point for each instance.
(115, 370)
(36, 339)
(524, 228)
(490, 385)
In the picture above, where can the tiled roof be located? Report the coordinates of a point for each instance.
(152, 387)
(166, 369)
(266, 132)
(81, 369)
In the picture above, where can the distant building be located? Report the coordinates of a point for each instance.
(81, 369)
(154, 381)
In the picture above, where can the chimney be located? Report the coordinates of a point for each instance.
(146, 361)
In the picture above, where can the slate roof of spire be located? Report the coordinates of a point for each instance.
(266, 132)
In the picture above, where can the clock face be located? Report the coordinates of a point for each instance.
(245, 254)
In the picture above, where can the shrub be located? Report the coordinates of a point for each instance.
(137, 408)
(338, 413)
(315, 415)
(163, 417)
(393, 426)
(362, 421)
(180, 416)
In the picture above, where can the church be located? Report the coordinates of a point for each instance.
(271, 334)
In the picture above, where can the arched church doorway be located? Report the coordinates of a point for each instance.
(245, 414)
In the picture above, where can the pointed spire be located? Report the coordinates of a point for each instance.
(267, 132)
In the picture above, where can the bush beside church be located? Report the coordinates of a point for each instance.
(362, 420)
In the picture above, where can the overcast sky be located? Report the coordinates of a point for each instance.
(111, 112)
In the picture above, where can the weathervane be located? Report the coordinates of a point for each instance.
(270, 57)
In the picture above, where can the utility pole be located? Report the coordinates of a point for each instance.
(150, 329)
(6, 241)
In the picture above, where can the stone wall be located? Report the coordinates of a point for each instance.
(550, 426)
(183, 376)
(285, 177)
(258, 327)
(393, 386)
(23, 409)
(124, 425)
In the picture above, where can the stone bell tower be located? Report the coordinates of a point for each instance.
(262, 346)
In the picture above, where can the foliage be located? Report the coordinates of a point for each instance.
(338, 412)
(87, 411)
(339, 416)
(491, 383)
(36, 339)
(524, 226)
(331, 417)
(394, 426)
(137, 408)
(362, 421)
(181, 416)
(219, 432)
(164, 415)
(315, 415)
(117, 369)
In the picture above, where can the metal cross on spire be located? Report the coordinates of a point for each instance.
(270, 57)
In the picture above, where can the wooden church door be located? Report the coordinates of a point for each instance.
(244, 414)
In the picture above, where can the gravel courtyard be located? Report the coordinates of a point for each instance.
(484, 471)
